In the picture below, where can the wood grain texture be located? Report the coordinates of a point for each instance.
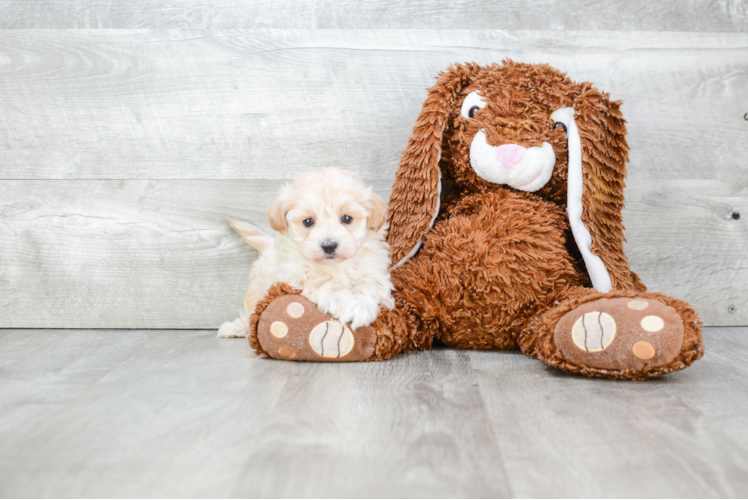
(104, 413)
(127, 254)
(634, 15)
(683, 242)
(609, 439)
(159, 254)
(199, 104)
(122, 151)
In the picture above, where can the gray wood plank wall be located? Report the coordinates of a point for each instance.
(122, 149)
(619, 15)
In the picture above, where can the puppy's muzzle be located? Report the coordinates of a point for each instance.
(329, 247)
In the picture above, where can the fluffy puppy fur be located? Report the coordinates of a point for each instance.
(330, 243)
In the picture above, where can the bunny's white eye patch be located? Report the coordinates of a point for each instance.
(472, 103)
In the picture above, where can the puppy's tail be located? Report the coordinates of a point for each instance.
(253, 235)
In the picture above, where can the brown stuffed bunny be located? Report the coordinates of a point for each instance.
(505, 232)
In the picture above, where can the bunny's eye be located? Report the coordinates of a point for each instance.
(308, 222)
(472, 104)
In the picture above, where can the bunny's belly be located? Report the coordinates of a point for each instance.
(496, 260)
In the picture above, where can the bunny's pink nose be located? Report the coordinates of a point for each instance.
(510, 155)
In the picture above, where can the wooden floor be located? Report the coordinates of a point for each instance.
(162, 413)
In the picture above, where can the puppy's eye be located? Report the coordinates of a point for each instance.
(559, 124)
(308, 222)
(346, 219)
(472, 111)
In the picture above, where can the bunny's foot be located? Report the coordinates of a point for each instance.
(624, 335)
(287, 325)
(291, 327)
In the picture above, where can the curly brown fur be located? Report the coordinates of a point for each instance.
(498, 260)
(471, 288)
(520, 99)
(395, 334)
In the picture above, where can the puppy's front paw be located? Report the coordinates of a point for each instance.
(362, 311)
(333, 303)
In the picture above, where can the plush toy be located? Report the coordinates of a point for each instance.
(505, 232)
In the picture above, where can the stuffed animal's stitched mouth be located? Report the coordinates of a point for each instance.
(533, 179)
(527, 169)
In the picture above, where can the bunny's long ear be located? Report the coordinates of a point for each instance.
(598, 153)
(414, 202)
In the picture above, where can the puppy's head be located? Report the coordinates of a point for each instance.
(328, 213)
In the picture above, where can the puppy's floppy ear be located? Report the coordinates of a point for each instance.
(605, 152)
(414, 202)
(277, 215)
(377, 212)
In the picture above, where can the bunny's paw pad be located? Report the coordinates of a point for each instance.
(292, 328)
(620, 333)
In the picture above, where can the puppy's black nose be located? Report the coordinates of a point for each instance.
(329, 247)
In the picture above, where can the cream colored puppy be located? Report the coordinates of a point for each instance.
(330, 244)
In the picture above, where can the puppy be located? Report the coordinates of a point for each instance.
(330, 244)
